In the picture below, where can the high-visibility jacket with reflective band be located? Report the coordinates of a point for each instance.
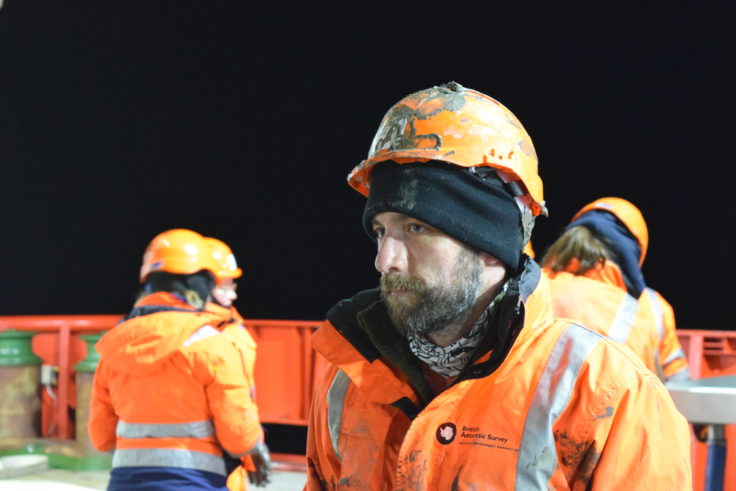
(170, 390)
(671, 356)
(237, 331)
(243, 339)
(598, 299)
(567, 409)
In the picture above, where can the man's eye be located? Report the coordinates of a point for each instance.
(416, 228)
(378, 232)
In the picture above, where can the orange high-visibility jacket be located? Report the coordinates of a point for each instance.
(671, 356)
(246, 344)
(170, 390)
(598, 299)
(243, 339)
(566, 409)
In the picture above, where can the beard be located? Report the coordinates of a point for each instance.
(425, 309)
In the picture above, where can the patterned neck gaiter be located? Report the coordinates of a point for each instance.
(449, 361)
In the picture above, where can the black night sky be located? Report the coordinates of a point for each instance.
(119, 120)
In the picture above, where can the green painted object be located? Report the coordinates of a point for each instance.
(66, 456)
(89, 364)
(86, 463)
(15, 349)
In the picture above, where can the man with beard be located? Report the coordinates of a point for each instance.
(454, 374)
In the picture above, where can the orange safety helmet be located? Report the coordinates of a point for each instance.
(226, 267)
(459, 126)
(177, 251)
(629, 215)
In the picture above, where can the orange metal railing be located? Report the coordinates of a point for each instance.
(286, 368)
(286, 365)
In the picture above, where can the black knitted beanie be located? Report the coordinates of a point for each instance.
(477, 211)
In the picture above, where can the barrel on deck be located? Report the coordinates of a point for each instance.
(20, 404)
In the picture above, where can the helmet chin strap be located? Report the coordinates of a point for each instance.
(527, 223)
(523, 201)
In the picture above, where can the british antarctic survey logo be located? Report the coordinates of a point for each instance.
(446, 433)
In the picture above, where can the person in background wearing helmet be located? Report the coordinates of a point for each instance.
(256, 466)
(595, 277)
(594, 271)
(454, 374)
(169, 394)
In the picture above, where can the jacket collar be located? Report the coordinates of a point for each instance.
(171, 302)
(607, 272)
(358, 338)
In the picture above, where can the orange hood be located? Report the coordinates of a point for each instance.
(141, 344)
(606, 272)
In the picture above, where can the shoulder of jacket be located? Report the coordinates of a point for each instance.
(608, 372)
(210, 343)
(655, 295)
(204, 332)
(629, 373)
(589, 347)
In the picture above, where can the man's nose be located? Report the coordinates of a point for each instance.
(391, 255)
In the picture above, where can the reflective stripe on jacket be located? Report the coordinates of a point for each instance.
(671, 356)
(239, 334)
(170, 390)
(598, 299)
(554, 414)
(608, 310)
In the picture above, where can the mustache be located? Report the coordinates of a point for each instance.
(397, 281)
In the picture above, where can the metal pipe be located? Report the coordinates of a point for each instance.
(716, 464)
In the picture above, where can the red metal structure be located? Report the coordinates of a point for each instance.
(711, 354)
(285, 366)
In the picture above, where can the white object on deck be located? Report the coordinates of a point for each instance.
(17, 465)
(707, 400)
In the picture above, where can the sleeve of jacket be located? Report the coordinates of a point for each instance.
(217, 363)
(102, 418)
(671, 356)
(643, 441)
(323, 464)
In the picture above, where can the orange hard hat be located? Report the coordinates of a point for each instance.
(459, 126)
(226, 266)
(177, 251)
(629, 215)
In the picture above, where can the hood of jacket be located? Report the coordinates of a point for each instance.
(157, 327)
(606, 272)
